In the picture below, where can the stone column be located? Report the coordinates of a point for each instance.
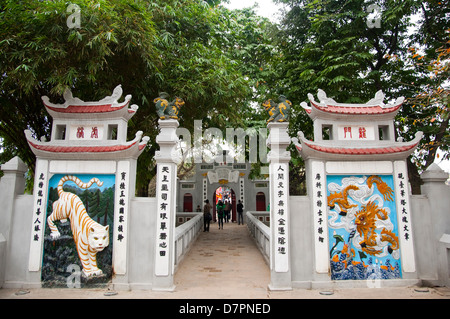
(11, 184)
(438, 195)
(166, 189)
(279, 157)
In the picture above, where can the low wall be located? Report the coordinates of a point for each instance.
(260, 232)
(14, 252)
(141, 248)
(262, 216)
(185, 235)
(183, 217)
(301, 242)
(430, 220)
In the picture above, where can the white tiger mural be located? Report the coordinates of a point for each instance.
(90, 237)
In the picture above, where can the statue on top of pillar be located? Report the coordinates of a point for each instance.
(278, 111)
(167, 110)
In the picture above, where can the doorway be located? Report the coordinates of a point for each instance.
(187, 203)
(225, 193)
(261, 201)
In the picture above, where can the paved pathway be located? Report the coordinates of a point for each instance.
(226, 264)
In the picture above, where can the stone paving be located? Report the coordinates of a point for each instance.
(226, 264)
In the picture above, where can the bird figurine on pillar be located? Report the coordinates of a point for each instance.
(165, 109)
(278, 112)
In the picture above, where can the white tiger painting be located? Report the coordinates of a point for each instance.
(90, 237)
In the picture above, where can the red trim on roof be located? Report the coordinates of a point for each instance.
(363, 110)
(87, 108)
(81, 149)
(361, 151)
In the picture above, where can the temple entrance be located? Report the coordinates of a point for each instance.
(225, 194)
(187, 203)
(261, 201)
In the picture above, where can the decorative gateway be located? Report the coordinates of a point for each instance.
(83, 186)
(358, 185)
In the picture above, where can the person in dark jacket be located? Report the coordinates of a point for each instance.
(220, 212)
(206, 215)
(227, 210)
(240, 211)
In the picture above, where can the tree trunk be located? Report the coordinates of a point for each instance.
(414, 177)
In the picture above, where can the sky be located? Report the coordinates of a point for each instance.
(266, 8)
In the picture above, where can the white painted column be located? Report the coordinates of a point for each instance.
(11, 184)
(166, 159)
(121, 207)
(280, 263)
(403, 199)
(318, 196)
(39, 219)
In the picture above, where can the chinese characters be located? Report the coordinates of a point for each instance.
(40, 209)
(122, 206)
(280, 206)
(90, 132)
(319, 207)
(403, 205)
(280, 215)
(356, 132)
(164, 195)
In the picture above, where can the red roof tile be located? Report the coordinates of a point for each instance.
(81, 149)
(361, 151)
(87, 108)
(359, 110)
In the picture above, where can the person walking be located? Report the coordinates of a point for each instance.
(227, 210)
(206, 215)
(220, 212)
(240, 210)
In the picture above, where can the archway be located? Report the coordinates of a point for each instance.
(225, 193)
(187, 203)
(261, 201)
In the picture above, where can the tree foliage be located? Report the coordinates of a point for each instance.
(328, 44)
(204, 53)
(224, 63)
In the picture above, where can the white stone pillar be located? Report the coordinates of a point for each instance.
(405, 234)
(279, 157)
(438, 194)
(166, 189)
(41, 179)
(11, 184)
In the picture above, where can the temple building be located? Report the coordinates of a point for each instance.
(226, 181)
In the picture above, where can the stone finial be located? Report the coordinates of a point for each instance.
(434, 174)
(15, 164)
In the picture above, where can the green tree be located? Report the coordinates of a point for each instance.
(328, 44)
(40, 55)
(187, 48)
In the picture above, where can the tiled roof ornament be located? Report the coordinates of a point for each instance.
(352, 131)
(374, 106)
(91, 129)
